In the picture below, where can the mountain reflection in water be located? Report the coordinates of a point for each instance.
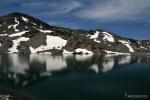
(57, 77)
(23, 70)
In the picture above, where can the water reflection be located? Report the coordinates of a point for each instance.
(108, 63)
(124, 60)
(95, 68)
(23, 70)
(17, 63)
(53, 63)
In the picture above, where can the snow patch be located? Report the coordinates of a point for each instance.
(18, 34)
(94, 36)
(24, 19)
(34, 24)
(10, 26)
(14, 26)
(16, 42)
(52, 42)
(108, 37)
(45, 31)
(66, 52)
(115, 53)
(127, 44)
(3, 34)
(84, 51)
(0, 44)
(143, 48)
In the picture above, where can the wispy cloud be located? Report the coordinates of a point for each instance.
(51, 8)
(113, 10)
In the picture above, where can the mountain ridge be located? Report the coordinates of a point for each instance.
(22, 33)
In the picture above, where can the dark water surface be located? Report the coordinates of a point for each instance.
(75, 77)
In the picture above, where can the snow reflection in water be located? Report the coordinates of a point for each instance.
(25, 69)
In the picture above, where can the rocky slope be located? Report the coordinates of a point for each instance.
(21, 33)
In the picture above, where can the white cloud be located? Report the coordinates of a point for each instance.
(112, 10)
(52, 8)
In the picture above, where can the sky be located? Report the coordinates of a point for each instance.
(129, 18)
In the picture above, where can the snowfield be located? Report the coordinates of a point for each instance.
(3, 34)
(24, 19)
(127, 44)
(52, 42)
(14, 26)
(108, 37)
(16, 42)
(45, 31)
(66, 52)
(18, 34)
(94, 36)
(84, 51)
(115, 53)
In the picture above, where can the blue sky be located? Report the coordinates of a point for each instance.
(129, 18)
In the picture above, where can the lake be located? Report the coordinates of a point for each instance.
(75, 77)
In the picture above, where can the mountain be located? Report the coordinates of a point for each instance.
(24, 34)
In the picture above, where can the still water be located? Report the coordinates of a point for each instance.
(75, 77)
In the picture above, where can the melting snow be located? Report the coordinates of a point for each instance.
(16, 42)
(24, 19)
(108, 37)
(3, 34)
(143, 47)
(16, 24)
(127, 44)
(18, 34)
(95, 68)
(52, 42)
(33, 23)
(84, 51)
(66, 52)
(94, 36)
(115, 53)
(45, 31)
(10, 26)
